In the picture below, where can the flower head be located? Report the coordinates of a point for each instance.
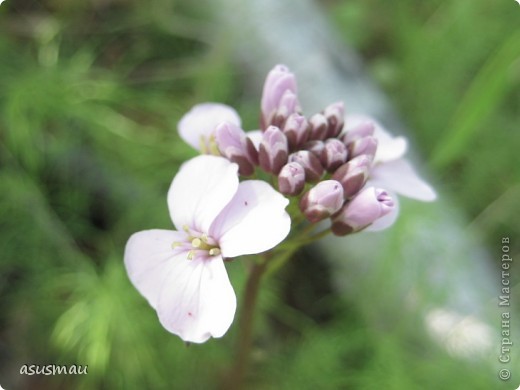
(181, 272)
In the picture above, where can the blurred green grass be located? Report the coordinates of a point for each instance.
(90, 94)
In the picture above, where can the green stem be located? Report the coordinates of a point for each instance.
(270, 262)
(245, 335)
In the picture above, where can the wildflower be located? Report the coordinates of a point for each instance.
(181, 272)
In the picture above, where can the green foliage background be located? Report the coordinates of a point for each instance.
(90, 94)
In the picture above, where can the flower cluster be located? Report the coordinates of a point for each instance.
(343, 167)
(332, 166)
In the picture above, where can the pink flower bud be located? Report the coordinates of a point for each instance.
(288, 106)
(366, 146)
(322, 200)
(291, 179)
(362, 130)
(278, 81)
(365, 208)
(316, 147)
(273, 151)
(353, 175)
(335, 114)
(296, 129)
(236, 147)
(319, 127)
(310, 163)
(333, 154)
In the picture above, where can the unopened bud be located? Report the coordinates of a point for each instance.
(296, 129)
(291, 179)
(335, 114)
(319, 127)
(366, 146)
(353, 175)
(333, 154)
(273, 151)
(278, 81)
(236, 147)
(365, 208)
(322, 200)
(310, 163)
(362, 130)
(288, 105)
(316, 147)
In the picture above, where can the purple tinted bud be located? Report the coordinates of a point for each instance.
(333, 154)
(316, 147)
(288, 105)
(366, 146)
(296, 129)
(364, 129)
(291, 179)
(278, 81)
(365, 208)
(353, 175)
(273, 151)
(322, 200)
(236, 147)
(319, 127)
(335, 114)
(310, 163)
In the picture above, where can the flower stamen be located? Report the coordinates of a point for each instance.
(214, 252)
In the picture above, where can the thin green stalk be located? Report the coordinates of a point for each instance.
(245, 331)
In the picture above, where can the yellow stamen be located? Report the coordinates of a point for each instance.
(190, 255)
(214, 251)
(213, 147)
(196, 243)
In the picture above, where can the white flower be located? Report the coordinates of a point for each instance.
(181, 272)
(391, 171)
(197, 127)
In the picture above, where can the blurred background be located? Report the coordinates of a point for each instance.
(90, 95)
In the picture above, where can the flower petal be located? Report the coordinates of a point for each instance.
(197, 300)
(389, 219)
(254, 220)
(147, 258)
(399, 176)
(202, 188)
(200, 122)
